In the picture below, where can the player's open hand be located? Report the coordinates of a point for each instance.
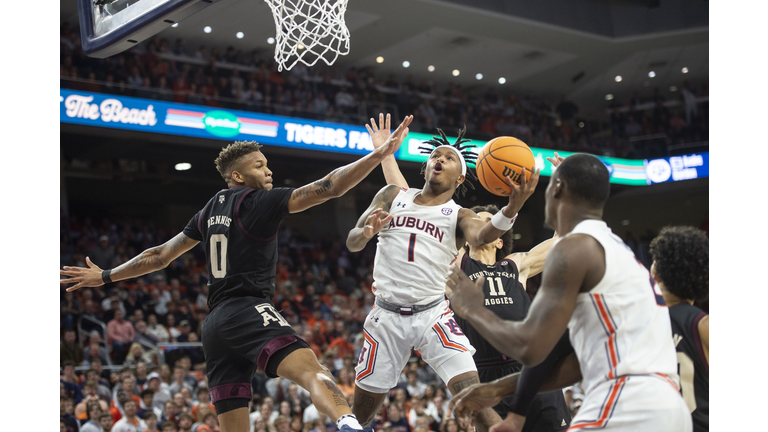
(465, 296)
(392, 143)
(473, 399)
(513, 423)
(375, 222)
(379, 133)
(82, 277)
(520, 193)
(556, 161)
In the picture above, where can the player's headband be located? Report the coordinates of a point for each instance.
(455, 150)
(463, 151)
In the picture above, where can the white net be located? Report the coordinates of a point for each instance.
(309, 30)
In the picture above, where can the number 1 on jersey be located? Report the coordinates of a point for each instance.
(411, 247)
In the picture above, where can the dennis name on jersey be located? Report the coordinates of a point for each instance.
(412, 222)
(218, 219)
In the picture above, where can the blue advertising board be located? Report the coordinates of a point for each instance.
(677, 168)
(145, 115)
(128, 113)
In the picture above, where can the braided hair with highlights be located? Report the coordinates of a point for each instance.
(469, 155)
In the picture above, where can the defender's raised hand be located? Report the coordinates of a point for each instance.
(556, 161)
(379, 133)
(81, 276)
(392, 143)
(375, 222)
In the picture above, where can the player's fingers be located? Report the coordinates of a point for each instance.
(381, 121)
(480, 282)
(389, 121)
(70, 289)
(370, 131)
(373, 123)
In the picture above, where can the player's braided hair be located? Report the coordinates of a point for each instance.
(681, 255)
(231, 155)
(469, 155)
(506, 248)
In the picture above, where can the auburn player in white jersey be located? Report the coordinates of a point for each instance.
(592, 285)
(420, 232)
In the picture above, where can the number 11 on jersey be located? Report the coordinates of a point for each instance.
(499, 290)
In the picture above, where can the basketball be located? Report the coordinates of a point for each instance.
(501, 157)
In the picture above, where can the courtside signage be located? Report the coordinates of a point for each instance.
(677, 168)
(122, 112)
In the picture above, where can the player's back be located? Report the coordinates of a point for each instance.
(239, 228)
(692, 362)
(415, 251)
(620, 327)
(620, 331)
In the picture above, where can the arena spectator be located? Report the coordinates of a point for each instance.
(150, 419)
(170, 414)
(129, 422)
(102, 255)
(91, 422)
(94, 351)
(120, 333)
(160, 395)
(71, 387)
(185, 422)
(70, 350)
(70, 311)
(169, 427)
(66, 415)
(137, 354)
(106, 421)
(156, 330)
(203, 398)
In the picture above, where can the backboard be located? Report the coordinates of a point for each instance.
(108, 27)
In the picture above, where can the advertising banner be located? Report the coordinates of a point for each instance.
(128, 113)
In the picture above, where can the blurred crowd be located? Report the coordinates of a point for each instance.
(172, 71)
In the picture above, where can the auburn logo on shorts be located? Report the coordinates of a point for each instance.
(447, 211)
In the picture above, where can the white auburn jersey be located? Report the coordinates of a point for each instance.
(415, 251)
(621, 327)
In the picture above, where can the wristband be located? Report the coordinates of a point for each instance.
(502, 222)
(105, 276)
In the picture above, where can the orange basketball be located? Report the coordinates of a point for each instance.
(501, 157)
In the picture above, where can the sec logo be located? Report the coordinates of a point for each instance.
(447, 211)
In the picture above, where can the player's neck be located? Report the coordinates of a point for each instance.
(569, 218)
(430, 197)
(671, 299)
(485, 255)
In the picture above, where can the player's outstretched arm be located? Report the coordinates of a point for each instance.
(478, 232)
(379, 134)
(150, 260)
(340, 180)
(571, 260)
(531, 263)
(373, 219)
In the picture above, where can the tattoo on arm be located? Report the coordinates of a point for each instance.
(323, 186)
(338, 396)
(460, 385)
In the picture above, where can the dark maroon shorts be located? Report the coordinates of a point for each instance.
(240, 335)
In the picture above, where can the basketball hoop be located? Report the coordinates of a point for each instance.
(309, 30)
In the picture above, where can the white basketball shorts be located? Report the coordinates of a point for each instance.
(641, 403)
(390, 336)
